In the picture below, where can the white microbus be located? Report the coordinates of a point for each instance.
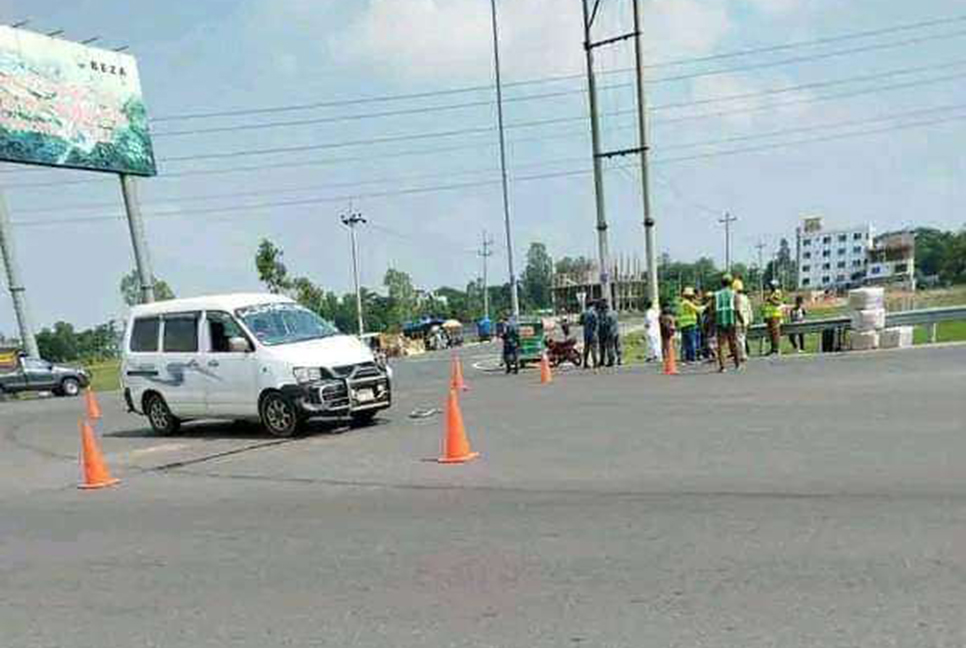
(246, 357)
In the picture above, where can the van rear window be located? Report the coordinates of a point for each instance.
(144, 335)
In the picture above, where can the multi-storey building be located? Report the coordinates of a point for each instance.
(832, 259)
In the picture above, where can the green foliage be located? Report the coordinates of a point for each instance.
(537, 280)
(271, 271)
(941, 254)
(64, 344)
(131, 289)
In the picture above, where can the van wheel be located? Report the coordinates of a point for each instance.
(279, 415)
(160, 416)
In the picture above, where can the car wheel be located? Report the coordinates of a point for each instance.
(160, 416)
(362, 419)
(279, 415)
(69, 387)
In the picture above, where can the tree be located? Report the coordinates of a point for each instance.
(131, 289)
(271, 271)
(538, 277)
(402, 296)
(59, 344)
(574, 266)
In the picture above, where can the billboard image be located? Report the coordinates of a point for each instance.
(64, 104)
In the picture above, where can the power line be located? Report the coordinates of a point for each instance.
(338, 103)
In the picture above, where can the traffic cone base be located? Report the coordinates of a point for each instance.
(456, 447)
(96, 474)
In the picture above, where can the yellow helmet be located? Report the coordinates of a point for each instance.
(738, 285)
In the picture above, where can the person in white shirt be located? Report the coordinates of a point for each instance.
(652, 317)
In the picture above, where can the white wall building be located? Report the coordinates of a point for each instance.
(832, 259)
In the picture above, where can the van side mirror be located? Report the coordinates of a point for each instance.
(239, 345)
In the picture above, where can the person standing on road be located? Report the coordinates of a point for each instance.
(668, 329)
(511, 346)
(652, 319)
(605, 333)
(588, 320)
(798, 314)
(614, 327)
(772, 313)
(726, 321)
(746, 315)
(689, 313)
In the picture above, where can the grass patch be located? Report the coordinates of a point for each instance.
(105, 375)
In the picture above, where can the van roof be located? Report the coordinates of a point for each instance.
(228, 302)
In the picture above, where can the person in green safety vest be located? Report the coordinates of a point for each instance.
(726, 319)
(688, 313)
(771, 312)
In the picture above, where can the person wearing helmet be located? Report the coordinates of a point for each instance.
(688, 314)
(726, 321)
(772, 314)
(746, 316)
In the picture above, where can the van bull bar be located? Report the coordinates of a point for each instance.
(344, 390)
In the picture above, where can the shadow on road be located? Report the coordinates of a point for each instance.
(243, 430)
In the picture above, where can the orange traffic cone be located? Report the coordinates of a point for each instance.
(670, 365)
(456, 381)
(96, 474)
(546, 375)
(456, 447)
(93, 408)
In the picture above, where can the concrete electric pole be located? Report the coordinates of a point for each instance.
(727, 221)
(350, 221)
(761, 269)
(486, 253)
(514, 296)
(15, 285)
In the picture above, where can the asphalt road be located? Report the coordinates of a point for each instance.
(804, 502)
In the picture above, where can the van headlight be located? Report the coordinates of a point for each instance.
(307, 374)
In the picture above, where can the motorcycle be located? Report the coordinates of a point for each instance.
(561, 352)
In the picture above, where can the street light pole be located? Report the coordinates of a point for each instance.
(486, 253)
(350, 221)
(514, 297)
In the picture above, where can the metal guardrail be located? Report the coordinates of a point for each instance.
(920, 317)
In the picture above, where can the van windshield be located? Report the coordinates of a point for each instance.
(275, 324)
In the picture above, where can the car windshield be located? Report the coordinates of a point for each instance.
(276, 324)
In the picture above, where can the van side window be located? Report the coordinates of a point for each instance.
(181, 333)
(221, 328)
(144, 335)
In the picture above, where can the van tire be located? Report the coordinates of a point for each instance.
(159, 415)
(280, 416)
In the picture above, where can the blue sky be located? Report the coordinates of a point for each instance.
(221, 56)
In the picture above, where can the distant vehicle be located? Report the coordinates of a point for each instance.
(253, 357)
(19, 373)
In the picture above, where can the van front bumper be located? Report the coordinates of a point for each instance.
(342, 397)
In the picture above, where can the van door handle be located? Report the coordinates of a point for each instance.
(213, 363)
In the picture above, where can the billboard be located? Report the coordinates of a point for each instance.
(64, 104)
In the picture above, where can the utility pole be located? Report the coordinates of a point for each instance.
(351, 220)
(649, 245)
(761, 269)
(486, 253)
(14, 284)
(727, 220)
(514, 297)
(603, 254)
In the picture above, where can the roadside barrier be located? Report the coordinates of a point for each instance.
(456, 447)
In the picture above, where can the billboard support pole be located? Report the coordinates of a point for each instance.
(136, 224)
(17, 291)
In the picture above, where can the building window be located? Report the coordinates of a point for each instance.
(826, 280)
(876, 270)
(843, 238)
(857, 249)
(840, 278)
(807, 255)
(841, 264)
(857, 263)
(806, 268)
(826, 266)
(806, 242)
(857, 236)
(856, 276)
(826, 253)
(901, 268)
(806, 281)
(841, 251)
(826, 240)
